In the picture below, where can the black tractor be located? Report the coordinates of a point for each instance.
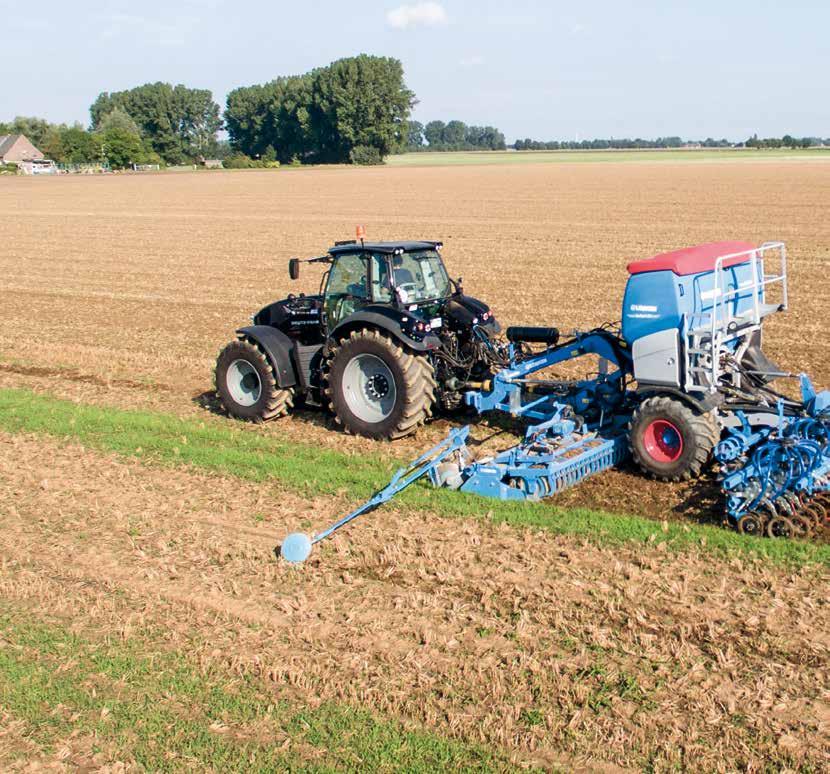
(389, 339)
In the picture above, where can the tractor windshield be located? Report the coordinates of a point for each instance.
(420, 276)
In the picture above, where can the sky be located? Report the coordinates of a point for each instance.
(545, 70)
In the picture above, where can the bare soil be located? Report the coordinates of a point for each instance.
(122, 290)
(559, 651)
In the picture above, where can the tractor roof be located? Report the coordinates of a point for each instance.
(695, 260)
(389, 248)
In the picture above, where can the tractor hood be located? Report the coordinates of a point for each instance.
(466, 311)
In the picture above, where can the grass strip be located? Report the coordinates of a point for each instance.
(655, 156)
(137, 701)
(238, 450)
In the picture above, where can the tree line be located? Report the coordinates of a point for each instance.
(669, 142)
(354, 110)
(452, 136)
(152, 124)
(787, 141)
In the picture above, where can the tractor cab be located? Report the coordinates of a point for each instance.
(403, 275)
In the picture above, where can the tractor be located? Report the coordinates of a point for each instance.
(389, 339)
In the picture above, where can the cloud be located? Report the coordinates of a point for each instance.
(476, 60)
(427, 14)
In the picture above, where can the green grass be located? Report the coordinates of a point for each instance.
(465, 158)
(239, 450)
(139, 701)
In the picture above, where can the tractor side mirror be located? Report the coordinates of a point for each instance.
(294, 268)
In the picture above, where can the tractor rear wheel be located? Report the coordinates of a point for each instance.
(376, 388)
(669, 440)
(247, 386)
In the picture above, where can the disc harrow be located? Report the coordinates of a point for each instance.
(777, 480)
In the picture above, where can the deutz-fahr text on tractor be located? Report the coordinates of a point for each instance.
(389, 338)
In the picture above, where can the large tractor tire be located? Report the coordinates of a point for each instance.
(376, 388)
(247, 386)
(669, 440)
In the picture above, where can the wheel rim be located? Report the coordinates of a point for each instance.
(663, 441)
(243, 382)
(369, 388)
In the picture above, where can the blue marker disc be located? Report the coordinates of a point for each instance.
(296, 547)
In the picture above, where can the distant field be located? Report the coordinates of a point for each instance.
(561, 157)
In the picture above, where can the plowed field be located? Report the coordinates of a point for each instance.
(119, 292)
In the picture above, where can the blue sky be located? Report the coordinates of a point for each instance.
(547, 70)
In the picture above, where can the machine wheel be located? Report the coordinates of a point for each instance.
(377, 388)
(669, 440)
(246, 384)
(780, 527)
(751, 524)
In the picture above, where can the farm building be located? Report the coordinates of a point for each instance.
(15, 148)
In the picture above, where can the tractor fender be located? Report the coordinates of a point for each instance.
(277, 347)
(388, 320)
(703, 405)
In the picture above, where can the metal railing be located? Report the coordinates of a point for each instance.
(725, 325)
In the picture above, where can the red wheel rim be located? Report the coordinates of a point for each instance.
(663, 441)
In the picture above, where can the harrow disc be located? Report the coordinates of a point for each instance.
(803, 525)
(780, 527)
(751, 524)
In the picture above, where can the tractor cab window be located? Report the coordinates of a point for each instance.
(347, 288)
(420, 276)
(381, 285)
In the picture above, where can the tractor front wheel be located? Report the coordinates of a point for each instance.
(376, 388)
(246, 384)
(669, 440)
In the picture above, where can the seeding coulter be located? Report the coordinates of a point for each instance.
(682, 381)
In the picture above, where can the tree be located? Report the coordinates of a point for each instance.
(247, 110)
(434, 133)
(180, 123)
(276, 114)
(323, 115)
(361, 100)
(37, 130)
(454, 133)
(489, 137)
(414, 134)
(118, 119)
(71, 145)
(122, 148)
